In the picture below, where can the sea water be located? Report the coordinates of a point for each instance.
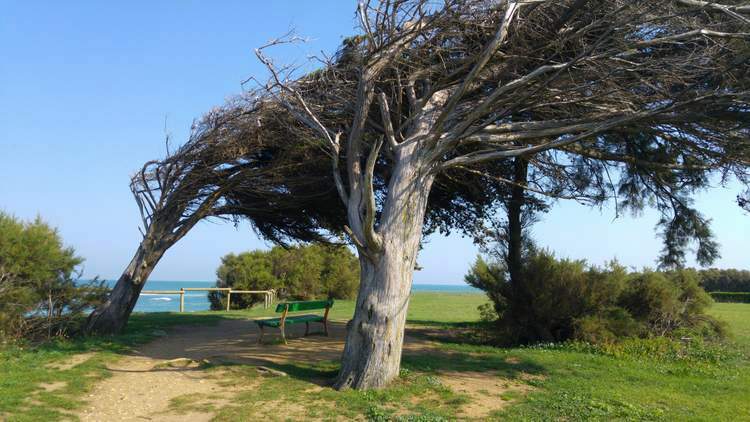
(198, 301)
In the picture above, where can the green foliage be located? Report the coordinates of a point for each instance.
(38, 291)
(297, 273)
(669, 302)
(731, 297)
(728, 280)
(561, 299)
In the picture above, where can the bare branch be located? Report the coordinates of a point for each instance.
(387, 124)
(373, 238)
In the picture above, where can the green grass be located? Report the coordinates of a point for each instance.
(737, 316)
(577, 385)
(425, 308)
(568, 382)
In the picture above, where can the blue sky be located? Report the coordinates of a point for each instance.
(85, 88)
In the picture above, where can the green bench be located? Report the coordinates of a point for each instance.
(287, 307)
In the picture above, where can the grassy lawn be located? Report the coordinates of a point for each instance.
(560, 382)
(737, 315)
(425, 308)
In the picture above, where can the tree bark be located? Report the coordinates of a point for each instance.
(112, 316)
(372, 355)
(514, 259)
(519, 311)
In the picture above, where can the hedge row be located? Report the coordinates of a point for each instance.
(726, 280)
(734, 297)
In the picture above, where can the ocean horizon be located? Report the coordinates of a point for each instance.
(198, 301)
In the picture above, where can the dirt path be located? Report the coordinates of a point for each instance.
(143, 384)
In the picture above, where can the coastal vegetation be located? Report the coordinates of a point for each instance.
(302, 272)
(40, 296)
(563, 299)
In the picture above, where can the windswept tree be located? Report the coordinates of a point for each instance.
(433, 89)
(226, 170)
(250, 160)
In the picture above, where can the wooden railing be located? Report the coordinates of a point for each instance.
(268, 295)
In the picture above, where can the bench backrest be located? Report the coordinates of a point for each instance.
(307, 305)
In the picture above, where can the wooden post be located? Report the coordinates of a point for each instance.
(229, 298)
(182, 300)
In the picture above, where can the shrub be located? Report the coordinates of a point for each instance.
(39, 295)
(731, 297)
(667, 301)
(298, 273)
(606, 327)
(561, 299)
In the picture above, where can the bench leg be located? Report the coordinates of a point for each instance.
(325, 327)
(283, 335)
(262, 331)
(307, 328)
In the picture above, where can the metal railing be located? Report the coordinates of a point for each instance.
(269, 296)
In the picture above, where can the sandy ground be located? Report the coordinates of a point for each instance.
(142, 384)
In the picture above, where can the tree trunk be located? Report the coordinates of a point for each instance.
(521, 302)
(372, 355)
(514, 259)
(111, 316)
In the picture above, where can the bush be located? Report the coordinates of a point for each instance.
(298, 273)
(561, 299)
(39, 295)
(669, 301)
(731, 297)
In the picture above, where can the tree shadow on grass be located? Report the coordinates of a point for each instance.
(433, 362)
(322, 373)
(505, 366)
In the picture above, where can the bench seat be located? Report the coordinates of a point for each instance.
(276, 322)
